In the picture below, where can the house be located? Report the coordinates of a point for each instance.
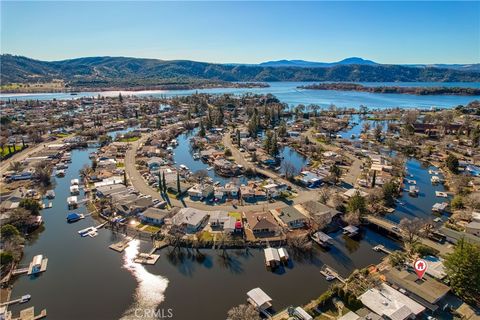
(309, 179)
(154, 216)
(390, 303)
(133, 207)
(351, 192)
(426, 291)
(109, 190)
(274, 190)
(262, 223)
(190, 219)
(319, 211)
(155, 163)
(201, 191)
(292, 218)
(473, 228)
(453, 235)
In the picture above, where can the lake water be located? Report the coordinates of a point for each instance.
(420, 206)
(289, 93)
(86, 280)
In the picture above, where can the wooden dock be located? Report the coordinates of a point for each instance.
(329, 271)
(19, 271)
(381, 248)
(121, 245)
(29, 314)
(43, 267)
(146, 258)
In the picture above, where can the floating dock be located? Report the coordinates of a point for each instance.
(381, 248)
(327, 272)
(33, 268)
(147, 258)
(122, 245)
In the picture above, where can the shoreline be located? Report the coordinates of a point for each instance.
(415, 91)
(167, 87)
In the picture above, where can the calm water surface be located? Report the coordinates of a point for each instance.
(289, 93)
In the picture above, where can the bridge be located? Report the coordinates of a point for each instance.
(388, 225)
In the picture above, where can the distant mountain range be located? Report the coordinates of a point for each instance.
(125, 72)
(360, 61)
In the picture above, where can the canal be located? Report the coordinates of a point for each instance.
(86, 280)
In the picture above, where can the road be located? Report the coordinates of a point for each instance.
(22, 155)
(355, 168)
(137, 181)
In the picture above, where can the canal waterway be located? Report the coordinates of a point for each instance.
(86, 280)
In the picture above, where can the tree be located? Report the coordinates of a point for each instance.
(202, 132)
(43, 173)
(164, 182)
(6, 258)
(390, 192)
(228, 152)
(243, 312)
(179, 190)
(452, 163)
(335, 173)
(125, 182)
(462, 267)
(352, 218)
(16, 166)
(8, 232)
(31, 205)
(238, 138)
(357, 203)
(410, 232)
(378, 132)
(457, 202)
(366, 126)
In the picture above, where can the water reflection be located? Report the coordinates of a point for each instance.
(150, 289)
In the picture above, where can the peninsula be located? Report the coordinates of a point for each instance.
(421, 91)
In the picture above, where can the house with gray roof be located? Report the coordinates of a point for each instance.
(293, 218)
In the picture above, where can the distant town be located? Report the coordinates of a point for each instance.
(185, 178)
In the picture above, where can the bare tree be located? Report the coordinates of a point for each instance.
(352, 218)
(411, 231)
(289, 169)
(243, 312)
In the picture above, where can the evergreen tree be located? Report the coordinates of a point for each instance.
(178, 184)
(164, 182)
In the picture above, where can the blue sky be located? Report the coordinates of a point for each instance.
(244, 32)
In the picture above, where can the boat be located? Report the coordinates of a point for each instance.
(183, 167)
(352, 136)
(435, 179)
(74, 217)
(74, 182)
(283, 254)
(85, 232)
(60, 173)
(330, 277)
(441, 194)
(25, 298)
(50, 194)
(196, 156)
(74, 190)
(413, 191)
(209, 168)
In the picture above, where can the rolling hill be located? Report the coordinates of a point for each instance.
(131, 72)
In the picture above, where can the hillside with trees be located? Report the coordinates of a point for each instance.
(102, 72)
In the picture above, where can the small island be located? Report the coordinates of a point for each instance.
(421, 91)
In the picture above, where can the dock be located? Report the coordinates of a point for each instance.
(29, 314)
(327, 272)
(147, 258)
(384, 224)
(121, 245)
(381, 248)
(23, 299)
(33, 270)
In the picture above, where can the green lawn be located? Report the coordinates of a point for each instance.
(132, 139)
(236, 215)
(206, 236)
(5, 151)
(152, 229)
